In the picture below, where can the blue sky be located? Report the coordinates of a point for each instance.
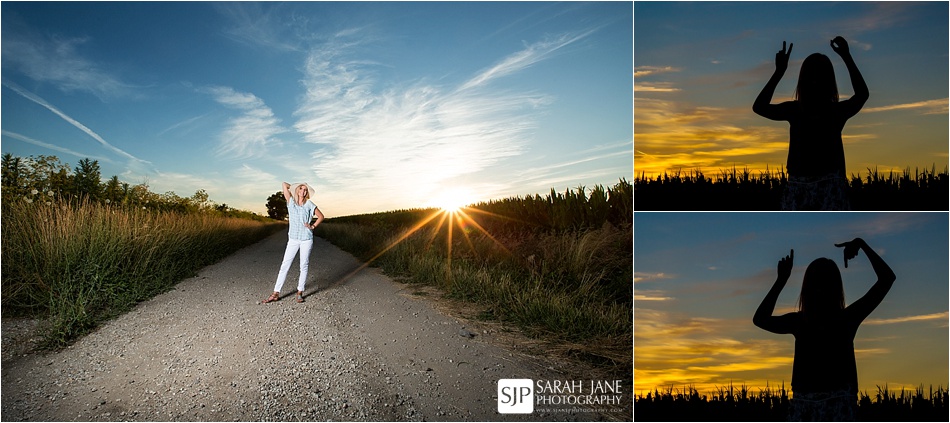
(699, 66)
(699, 277)
(379, 106)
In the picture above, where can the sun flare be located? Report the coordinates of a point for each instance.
(452, 201)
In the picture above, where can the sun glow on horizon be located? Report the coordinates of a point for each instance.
(453, 200)
(454, 217)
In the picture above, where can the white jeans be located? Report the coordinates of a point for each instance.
(292, 246)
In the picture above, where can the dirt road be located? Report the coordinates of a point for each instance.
(359, 348)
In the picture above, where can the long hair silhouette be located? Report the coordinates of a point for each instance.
(816, 81)
(822, 288)
(816, 167)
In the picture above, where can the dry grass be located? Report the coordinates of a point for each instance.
(76, 264)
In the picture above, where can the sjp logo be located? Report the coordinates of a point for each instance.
(515, 396)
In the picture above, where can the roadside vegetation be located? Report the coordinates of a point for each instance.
(557, 266)
(920, 190)
(76, 251)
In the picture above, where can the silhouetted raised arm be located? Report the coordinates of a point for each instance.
(885, 278)
(763, 103)
(861, 92)
(763, 315)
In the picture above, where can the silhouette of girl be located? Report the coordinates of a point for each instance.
(816, 171)
(824, 372)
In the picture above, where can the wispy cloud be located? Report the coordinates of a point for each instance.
(578, 164)
(251, 134)
(650, 295)
(675, 135)
(642, 71)
(918, 318)
(891, 223)
(880, 15)
(249, 182)
(252, 24)
(654, 87)
(134, 162)
(670, 349)
(181, 124)
(929, 107)
(650, 277)
(57, 60)
(534, 53)
(53, 147)
(406, 139)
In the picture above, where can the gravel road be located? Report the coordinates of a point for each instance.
(360, 348)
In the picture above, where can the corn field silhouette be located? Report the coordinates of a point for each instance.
(735, 190)
(771, 404)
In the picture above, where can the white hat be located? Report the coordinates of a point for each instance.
(310, 190)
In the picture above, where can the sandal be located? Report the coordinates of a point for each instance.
(299, 297)
(273, 297)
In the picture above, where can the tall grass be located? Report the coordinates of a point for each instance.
(76, 264)
(920, 190)
(771, 404)
(569, 285)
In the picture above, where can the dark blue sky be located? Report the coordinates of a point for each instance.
(700, 276)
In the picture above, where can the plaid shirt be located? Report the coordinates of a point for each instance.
(299, 217)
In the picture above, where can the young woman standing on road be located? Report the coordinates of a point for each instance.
(300, 211)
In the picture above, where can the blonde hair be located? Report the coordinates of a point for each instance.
(306, 188)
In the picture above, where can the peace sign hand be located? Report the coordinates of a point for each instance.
(781, 58)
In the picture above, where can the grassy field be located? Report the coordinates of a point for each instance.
(771, 404)
(560, 267)
(920, 190)
(77, 263)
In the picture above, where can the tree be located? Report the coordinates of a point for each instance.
(277, 206)
(14, 175)
(200, 201)
(86, 180)
(113, 191)
(46, 175)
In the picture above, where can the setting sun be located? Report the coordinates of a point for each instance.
(452, 200)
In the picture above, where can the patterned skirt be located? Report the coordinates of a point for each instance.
(835, 406)
(816, 193)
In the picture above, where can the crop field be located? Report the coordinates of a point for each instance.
(918, 190)
(771, 404)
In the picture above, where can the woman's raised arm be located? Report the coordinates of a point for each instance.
(763, 315)
(885, 278)
(861, 92)
(763, 102)
(286, 188)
